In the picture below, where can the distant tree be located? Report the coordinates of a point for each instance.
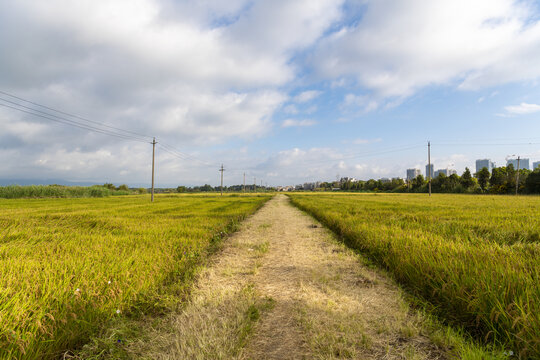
(109, 186)
(181, 189)
(206, 187)
(141, 190)
(123, 187)
(532, 184)
(499, 180)
(417, 183)
(467, 180)
(483, 178)
(451, 183)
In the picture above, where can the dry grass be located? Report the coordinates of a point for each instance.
(284, 288)
(216, 321)
(328, 305)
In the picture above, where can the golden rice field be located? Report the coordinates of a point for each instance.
(475, 259)
(68, 266)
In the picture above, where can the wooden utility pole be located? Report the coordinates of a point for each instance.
(153, 160)
(517, 176)
(429, 165)
(244, 187)
(221, 170)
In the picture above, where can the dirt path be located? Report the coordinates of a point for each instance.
(284, 288)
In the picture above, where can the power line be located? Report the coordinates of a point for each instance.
(72, 115)
(75, 124)
(485, 144)
(188, 156)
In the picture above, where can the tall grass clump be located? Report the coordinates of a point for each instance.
(476, 259)
(68, 267)
(56, 191)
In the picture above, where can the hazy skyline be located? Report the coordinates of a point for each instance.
(285, 91)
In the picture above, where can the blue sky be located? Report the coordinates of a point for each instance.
(285, 91)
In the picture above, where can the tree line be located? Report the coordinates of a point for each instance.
(501, 180)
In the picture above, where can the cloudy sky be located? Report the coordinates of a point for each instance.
(286, 91)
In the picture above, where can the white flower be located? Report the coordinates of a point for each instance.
(118, 311)
(109, 282)
(77, 290)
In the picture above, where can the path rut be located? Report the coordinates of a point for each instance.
(284, 288)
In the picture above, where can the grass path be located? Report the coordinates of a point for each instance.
(284, 288)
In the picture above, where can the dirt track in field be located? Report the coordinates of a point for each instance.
(284, 288)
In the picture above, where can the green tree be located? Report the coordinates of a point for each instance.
(123, 187)
(467, 180)
(181, 189)
(532, 184)
(483, 178)
(417, 183)
(451, 183)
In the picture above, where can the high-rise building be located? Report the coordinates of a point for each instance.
(523, 163)
(429, 170)
(484, 163)
(446, 172)
(413, 173)
(536, 164)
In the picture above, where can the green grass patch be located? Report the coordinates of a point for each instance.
(57, 191)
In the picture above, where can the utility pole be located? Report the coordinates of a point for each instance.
(517, 177)
(221, 170)
(429, 165)
(244, 187)
(153, 159)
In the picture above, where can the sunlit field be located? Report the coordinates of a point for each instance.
(68, 266)
(475, 259)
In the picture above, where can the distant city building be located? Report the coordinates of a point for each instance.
(523, 163)
(446, 172)
(347, 179)
(285, 188)
(536, 164)
(484, 163)
(412, 173)
(428, 172)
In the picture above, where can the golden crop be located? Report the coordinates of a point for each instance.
(476, 259)
(67, 266)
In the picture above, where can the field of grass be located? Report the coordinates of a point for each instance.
(475, 259)
(56, 191)
(69, 266)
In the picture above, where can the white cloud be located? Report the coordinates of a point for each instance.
(522, 109)
(190, 73)
(399, 47)
(297, 123)
(290, 109)
(364, 102)
(306, 96)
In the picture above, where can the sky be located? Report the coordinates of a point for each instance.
(285, 91)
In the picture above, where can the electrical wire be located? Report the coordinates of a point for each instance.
(72, 115)
(68, 122)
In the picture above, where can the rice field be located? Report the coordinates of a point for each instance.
(68, 266)
(474, 259)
